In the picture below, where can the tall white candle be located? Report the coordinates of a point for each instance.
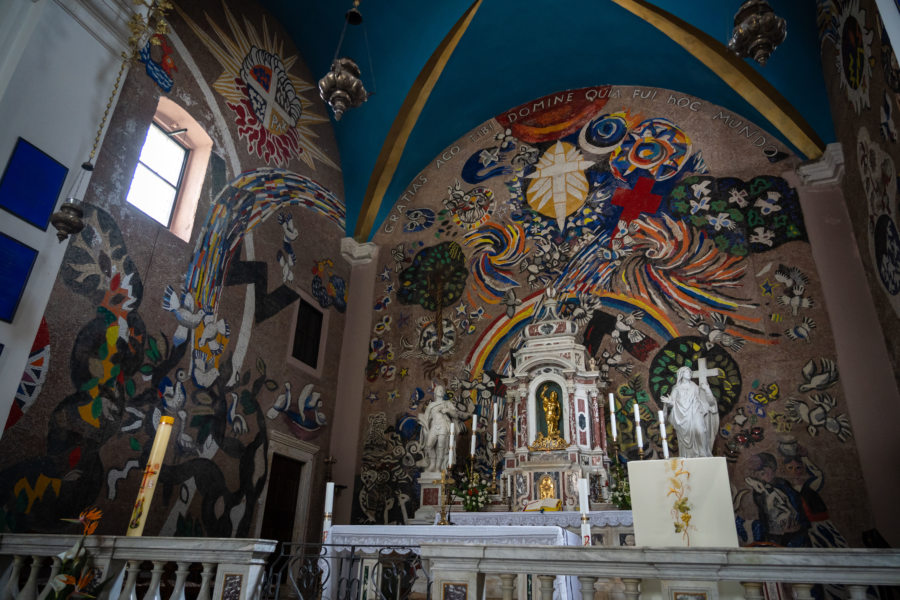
(583, 500)
(474, 422)
(452, 449)
(665, 449)
(496, 414)
(472, 450)
(662, 424)
(612, 415)
(329, 499)
(151, 474)
(637, 413)
(640, 437)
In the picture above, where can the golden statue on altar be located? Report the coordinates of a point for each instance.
(551, 441)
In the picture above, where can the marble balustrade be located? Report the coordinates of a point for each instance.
(229, 568)
(628, 573)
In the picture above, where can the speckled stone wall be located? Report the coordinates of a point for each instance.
(142, 324)
(863, 80)
(664, 226)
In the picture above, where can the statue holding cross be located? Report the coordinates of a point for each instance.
(694, 411)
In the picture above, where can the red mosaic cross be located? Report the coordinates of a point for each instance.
(637, 200)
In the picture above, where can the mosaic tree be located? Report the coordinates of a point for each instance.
(436, 278)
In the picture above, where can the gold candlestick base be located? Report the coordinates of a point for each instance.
(445, 482)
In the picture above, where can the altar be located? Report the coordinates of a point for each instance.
(348, 542)
(608, 527)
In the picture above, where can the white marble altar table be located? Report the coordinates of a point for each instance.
(565, 518)
(369, 538)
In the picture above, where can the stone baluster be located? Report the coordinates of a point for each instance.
(546, 586)
(857, 592)
(54, 571)
(155, 578)
(205, 578)
(131, 572)
(29, 591)
(753, 590)
(507, 585)
(12, 586)
(802, 591)
(632, 589)
(181, 574)
(587, 586)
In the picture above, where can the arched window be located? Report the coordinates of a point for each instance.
(170, 171)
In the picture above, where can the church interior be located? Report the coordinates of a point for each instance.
(490, 248)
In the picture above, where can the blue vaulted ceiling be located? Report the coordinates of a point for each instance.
(515, 51)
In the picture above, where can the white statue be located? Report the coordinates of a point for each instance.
(694, 414)
(435, 422)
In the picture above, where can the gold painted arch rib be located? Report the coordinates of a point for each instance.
(395, 142)
(734, 72)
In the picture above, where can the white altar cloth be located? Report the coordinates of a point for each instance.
(369, 538)
(564, 518)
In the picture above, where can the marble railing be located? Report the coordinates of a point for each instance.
(150, 568)
(630, 573)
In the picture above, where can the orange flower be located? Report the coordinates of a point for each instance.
(90, 518)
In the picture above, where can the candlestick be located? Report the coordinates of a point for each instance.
(151, 474)
(612, 415)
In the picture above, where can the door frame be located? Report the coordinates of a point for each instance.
(303, 452)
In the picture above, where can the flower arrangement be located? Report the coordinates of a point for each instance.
(76, 572)
(621, 493)
(472, 490)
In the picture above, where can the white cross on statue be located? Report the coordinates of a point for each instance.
(702, 372)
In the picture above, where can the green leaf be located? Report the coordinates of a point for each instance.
(146, 369)
(103, 351)
(97, 407)
(683, 348)
(248, 405)
(135, 445)
(669, 353)
(115, 371)
(271, 385)
(260, 366)
(152, 343)
(89, 384)
(129, 387)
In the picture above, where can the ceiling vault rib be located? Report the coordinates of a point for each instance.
(734, 72)
(395, 142)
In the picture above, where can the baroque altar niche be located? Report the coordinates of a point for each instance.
(556, 417)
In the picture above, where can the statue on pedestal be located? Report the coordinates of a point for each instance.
(553, 440)
(435, 423)
(694, 415)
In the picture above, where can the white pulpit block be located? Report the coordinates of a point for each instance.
(682, 502)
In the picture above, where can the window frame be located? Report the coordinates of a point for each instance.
(184, 164)
(171, 116)
(323, 337)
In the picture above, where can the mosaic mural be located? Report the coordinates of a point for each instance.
(671, 239)
(864, 76)
(141, 325)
